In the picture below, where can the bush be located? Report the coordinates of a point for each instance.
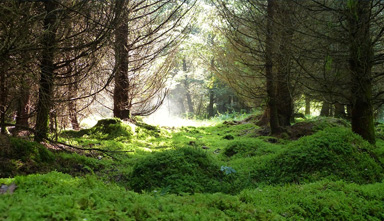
(335, 153)
(182, 170)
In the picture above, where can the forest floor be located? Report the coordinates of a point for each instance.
(317, 170)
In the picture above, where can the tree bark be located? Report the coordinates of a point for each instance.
(211, 102)
(211, 92)
(340, 110)
(285, 102)
(325, 110)
(307, 105)
(47, 71)
(360, 67)
(22, 114)
(187, 88)
(3, 100)
(270, 76)
(121, 108)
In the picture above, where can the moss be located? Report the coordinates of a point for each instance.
(248, 148)
(335, 153)
(24, 157)
(182, 170)
(106, 129)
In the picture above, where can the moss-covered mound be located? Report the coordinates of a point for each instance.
(182, 170)
(249, 148)
(106, 129)
(335, 153)
(19, 156)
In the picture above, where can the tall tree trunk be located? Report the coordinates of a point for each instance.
(47, 68)
(211, 102)
(307, 105)
(181, 104)
(270, 76)
(340, 110)
(3, 100)
(325, 109)
(284, 98)
(211, 91)
(187, 88)
(360, 66)
(72, 107)
(121, 108)
(22, 114)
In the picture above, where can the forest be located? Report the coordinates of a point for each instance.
(192, 110)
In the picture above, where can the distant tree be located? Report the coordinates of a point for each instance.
(93, 24)
(260, 35)
(343, 57)
(147, 33)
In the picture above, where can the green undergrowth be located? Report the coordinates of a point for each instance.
(107, 129)
(334, 153)
(184, 170)
(57, 196)
(226, 171)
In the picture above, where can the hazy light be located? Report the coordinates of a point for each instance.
(164, 117)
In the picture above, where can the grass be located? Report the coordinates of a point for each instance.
(220, 172)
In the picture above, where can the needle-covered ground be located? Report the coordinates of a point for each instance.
(221, 172)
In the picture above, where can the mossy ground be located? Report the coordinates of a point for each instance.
(226, 171)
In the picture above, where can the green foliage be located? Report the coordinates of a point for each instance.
(182, 170)
(335, 153)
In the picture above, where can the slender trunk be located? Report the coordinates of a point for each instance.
(270, 76)
(360, 67)
(211, 92)
(3, 94)
(22, 114)
(187, 88)
(211, 102)
(121, 108)
(181, 104)
(307, 105)
(200, 106)
(72, 108)
(47, 68)
(72, 104)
